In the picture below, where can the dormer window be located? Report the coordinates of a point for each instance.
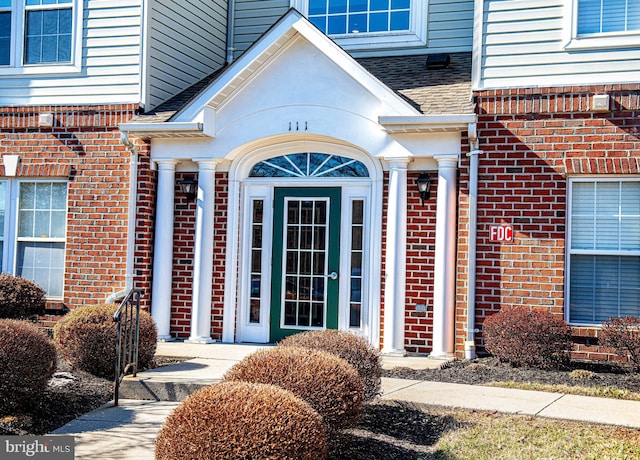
(39, 36)
(369, 25)
(337, 17)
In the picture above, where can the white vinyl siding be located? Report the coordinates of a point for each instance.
(525, 43)
(253, 18)
(109, 68)
(450, 26)
(604, 250)
(186, 42)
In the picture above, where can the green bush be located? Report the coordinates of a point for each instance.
(524, 337)
(27, 362)
(86, 337)
(354, 349)
(623, 335)
(328, 383)
(20, 298)
(240, 420)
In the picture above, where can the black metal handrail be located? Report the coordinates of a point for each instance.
(128, 318)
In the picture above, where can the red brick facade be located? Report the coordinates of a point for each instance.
(183, 252)
(532, 141)
(83, 146)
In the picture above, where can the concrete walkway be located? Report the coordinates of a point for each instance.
(129, 430)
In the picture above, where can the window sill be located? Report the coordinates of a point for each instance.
(40, 70)
(603, 42)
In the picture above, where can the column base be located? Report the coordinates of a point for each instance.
(201, 340)
(442, 356)
(396, 353)
(166, 338)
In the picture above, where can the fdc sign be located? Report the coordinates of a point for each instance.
(501, 233)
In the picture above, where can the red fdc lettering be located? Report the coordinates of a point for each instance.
(501, 233)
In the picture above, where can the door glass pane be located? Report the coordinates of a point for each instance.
(357, 254)
(304, 260)
(256, 262)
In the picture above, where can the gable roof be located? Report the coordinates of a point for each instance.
(430, 92)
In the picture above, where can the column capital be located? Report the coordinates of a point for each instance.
(398, 162)
(167, 164)
(207, 163)
(446, 160)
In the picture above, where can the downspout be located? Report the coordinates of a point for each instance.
(470, 342)
(131, 226)
(231, 12)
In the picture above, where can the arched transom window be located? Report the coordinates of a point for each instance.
(309, 165)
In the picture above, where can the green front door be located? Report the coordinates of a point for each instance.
(306, 258)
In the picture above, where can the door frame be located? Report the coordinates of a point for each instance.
(244, 189)
(334, 224)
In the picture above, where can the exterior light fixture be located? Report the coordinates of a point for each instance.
(189, 188)
(424, 184)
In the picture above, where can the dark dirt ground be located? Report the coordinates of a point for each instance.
(387, 430)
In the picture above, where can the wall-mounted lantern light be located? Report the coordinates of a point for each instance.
(189, 188)
(424, 184)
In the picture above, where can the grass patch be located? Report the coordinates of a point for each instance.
(493, 435)
(598, 391)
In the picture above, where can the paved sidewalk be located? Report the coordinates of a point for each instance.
(129, 430)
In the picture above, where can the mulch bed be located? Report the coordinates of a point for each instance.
(387, 430)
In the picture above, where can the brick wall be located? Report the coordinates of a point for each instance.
(183, 254)
(532, 140)
(84, 146)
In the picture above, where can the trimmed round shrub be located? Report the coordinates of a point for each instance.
(27, 362)
(623, 335)
(240, 420)
(354, 349)
(328, 383)
(524, 337)
(20, 298)
(86, 337)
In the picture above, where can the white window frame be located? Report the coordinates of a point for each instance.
(573, 41)
(11, 240)
(18, 28)
(416, 36)
(569, 252)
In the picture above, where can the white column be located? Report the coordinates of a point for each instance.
(396, 259)
(163, 250)
(445, 258)
(203, 254)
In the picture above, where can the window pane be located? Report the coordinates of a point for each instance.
(400, 20)
(5, 37)
(378, 5)
(43, 263)
(48, 37)
(337, 6)
(3, 187)
(379, 22)
(357, 5)
(317, 7)
(357, 23)
(613, 16)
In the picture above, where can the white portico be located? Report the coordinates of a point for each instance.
(315, 236)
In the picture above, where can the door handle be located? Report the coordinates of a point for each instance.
(332, 275)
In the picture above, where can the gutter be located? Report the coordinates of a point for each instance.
(470, 342)
(231, 12)
(131, 227)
